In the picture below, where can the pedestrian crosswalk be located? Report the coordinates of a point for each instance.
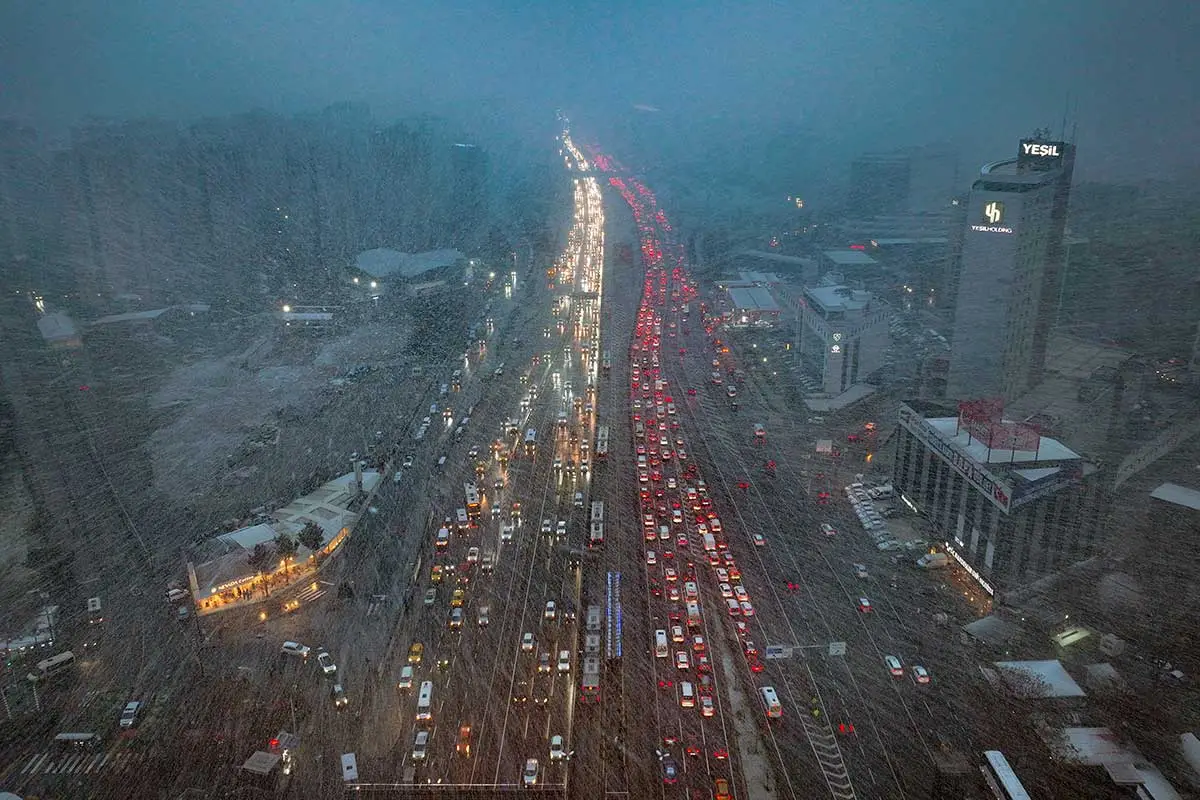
(57, 762)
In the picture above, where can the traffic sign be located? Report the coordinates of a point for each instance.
(837, 648)
(774, 651)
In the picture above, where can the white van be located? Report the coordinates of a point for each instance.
(464, 521)
(349, 767)
(425, 702)
(687, 695)
(406, 678)
(661, 648)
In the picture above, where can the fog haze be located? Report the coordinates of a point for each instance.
(874, 75)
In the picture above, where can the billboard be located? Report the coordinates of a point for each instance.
(1038, 155)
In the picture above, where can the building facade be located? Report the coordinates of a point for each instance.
(1009, 504)
(843, 335)
(1009, 271)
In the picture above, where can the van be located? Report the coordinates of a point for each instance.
(463, 520)
(443, 538)
(425, 702)
(420, 746)
(406, 678)
(579, 499)
(770, 702)
(441, 463)
(661, 648)
(687, 695)
(349, 767)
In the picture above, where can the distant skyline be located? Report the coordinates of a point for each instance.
(868, 76)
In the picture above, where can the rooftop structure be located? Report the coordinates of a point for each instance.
(383, 263)
(849, 258)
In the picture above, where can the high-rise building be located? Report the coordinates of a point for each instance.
(1010, 271)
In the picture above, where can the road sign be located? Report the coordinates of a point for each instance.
(837, 648)
(774, 651)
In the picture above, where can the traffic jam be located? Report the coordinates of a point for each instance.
(696, 593)
(494, 540)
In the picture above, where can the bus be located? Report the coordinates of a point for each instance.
(530, 441)
(693, 614)
(471, 492)
(597, 511)
(596, 536)
(1001, 779)
(606, 364)
(602, 443)
(770, 702)
(49, 667)
(589, 684)
(425, 702)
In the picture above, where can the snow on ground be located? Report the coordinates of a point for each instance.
(220, 409)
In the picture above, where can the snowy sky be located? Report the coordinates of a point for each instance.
(875, 72)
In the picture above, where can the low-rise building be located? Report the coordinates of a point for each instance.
(843, 335)
(1010, 504)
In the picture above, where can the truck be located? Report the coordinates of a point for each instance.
(933, 561)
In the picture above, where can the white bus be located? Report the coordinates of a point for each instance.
(597, 511)
(530, 441)
(602, 442)
(425, 702)
(661, 648)
(50, 667)
(1000, 777)
(771, 702)
(471, 493)
(693, 614)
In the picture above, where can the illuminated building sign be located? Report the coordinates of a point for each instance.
(974, 573)
(1038, 155)
(994, 489)
(993, 212)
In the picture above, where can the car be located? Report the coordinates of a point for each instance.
(557, 748)
(564, 661)
(547, 526)
(430, 596)
(864, 605)
(721, 790)
(295, 649)
(435, 573)
(527, 643)
(722, 574)
(725, 589)
(463, 748)
(130, 713)
(920, 674)
(672, 483)
(740, 593)
(416, 653)
(670, 574)
(758, 539)
(408, 460)
(747, 609)
(733, 607)
(651, 558)
(691, 391)
(472, 555)
(698, 643)
(455, 620)
(406, 678)
(860, 571)
(551, 610)
(326, 663)
(681, 660)
(894, 666)
(670, 770)
(673, 593)
(473, 452)
(676, 633)
(706, 706)
(529, 775)
(828, 529)
(561, 531)
(756, 666)
(339, 696)
(677, 517)
(458, 598)
(543, 662)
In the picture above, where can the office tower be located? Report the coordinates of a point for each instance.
(1009, 271)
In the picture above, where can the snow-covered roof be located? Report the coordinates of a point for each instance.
(838, 298)
(56, 326)
(1039, 679)
(754, 298)
(1178, 495)
(1048, 449)
(856, 258)
(141, 316)
(383, 262)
